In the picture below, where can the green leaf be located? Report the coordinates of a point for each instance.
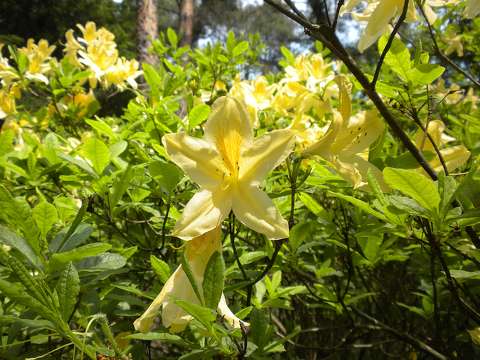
(198, 115)
(398, 57)
(167, 175)
(299, 234)
(68, 288)
(98, 153)
(311, 204)
(213, 280)
(172, 37)
(120, 187)
(408, 205)
(240, 48)
(204, 315)
(10, 238)
(413, 184)
(425, 74)
(463, 274)
(101, 127)
(59, 259)
(163, 337)
(153, 79)
(360, 204)
(161, 268)
(188, 271)
(45, 216)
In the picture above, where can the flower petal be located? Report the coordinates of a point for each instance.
(199, 159)
(355, 169)
(362, 130)
(323, 146)
(378, 22)
(204, 212)
(265, 154)
(454, 157)
(256, 210)
(228, 127)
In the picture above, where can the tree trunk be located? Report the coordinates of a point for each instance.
(147, 30)
(186, 21)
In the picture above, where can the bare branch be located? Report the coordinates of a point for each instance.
(387, 47)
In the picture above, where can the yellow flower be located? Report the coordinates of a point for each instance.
(229, 165)
(454, 156)
(472, 9)
(38, 59)
(197, 252)
(346, 142)
(307, 132)
(7, 102)
(454, 44)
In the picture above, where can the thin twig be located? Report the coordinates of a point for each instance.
(329, 39)
(337, 13)
(294, 8)
(420, 345)
(387, 47)
(441, 55)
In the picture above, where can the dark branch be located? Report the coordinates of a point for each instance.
(387, 47)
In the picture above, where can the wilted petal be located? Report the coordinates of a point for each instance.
(198, 158)
(205, 211)
(197, 251)
(265, 154)
(255, 209)
(228, 315)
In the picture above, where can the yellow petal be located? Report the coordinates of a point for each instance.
(323, 146)
(362, 130)
(228, 315)
(355, 169)
(345, 90)
(265, 154)
(198, 158)
(178, 287)
(454, 157)
(205, 211)
(255, 209)
(228, 127)
(378, 22)
(472, 9)
(435, 130)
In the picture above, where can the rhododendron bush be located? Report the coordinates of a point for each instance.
(210, 206)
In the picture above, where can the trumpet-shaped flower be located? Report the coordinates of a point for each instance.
(178, 287)
(346, 142)
(229, 165)
(453, 156)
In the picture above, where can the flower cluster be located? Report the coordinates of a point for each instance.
(97, 51)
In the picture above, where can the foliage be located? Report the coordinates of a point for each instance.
(378, 259)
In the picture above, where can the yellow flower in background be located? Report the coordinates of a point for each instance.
(472, 9)
(257, 95)
(379, 15)
(454, 44)
(197, 252)
(7, 101)
(229, 165)
(39, 57)
(307, 132)
(97, 51)
(454, 156)
(345, 144)
(311, 70)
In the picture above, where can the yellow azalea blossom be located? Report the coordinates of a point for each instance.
(7, 100)
(454, 44)
(229, 165)
(97, 51)
(472, 9)
(197, 252)
(38, 59)
(307, 132)
(312, 70)
(256, 94)
(454, 156)
(380, 13)
(345, 144)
